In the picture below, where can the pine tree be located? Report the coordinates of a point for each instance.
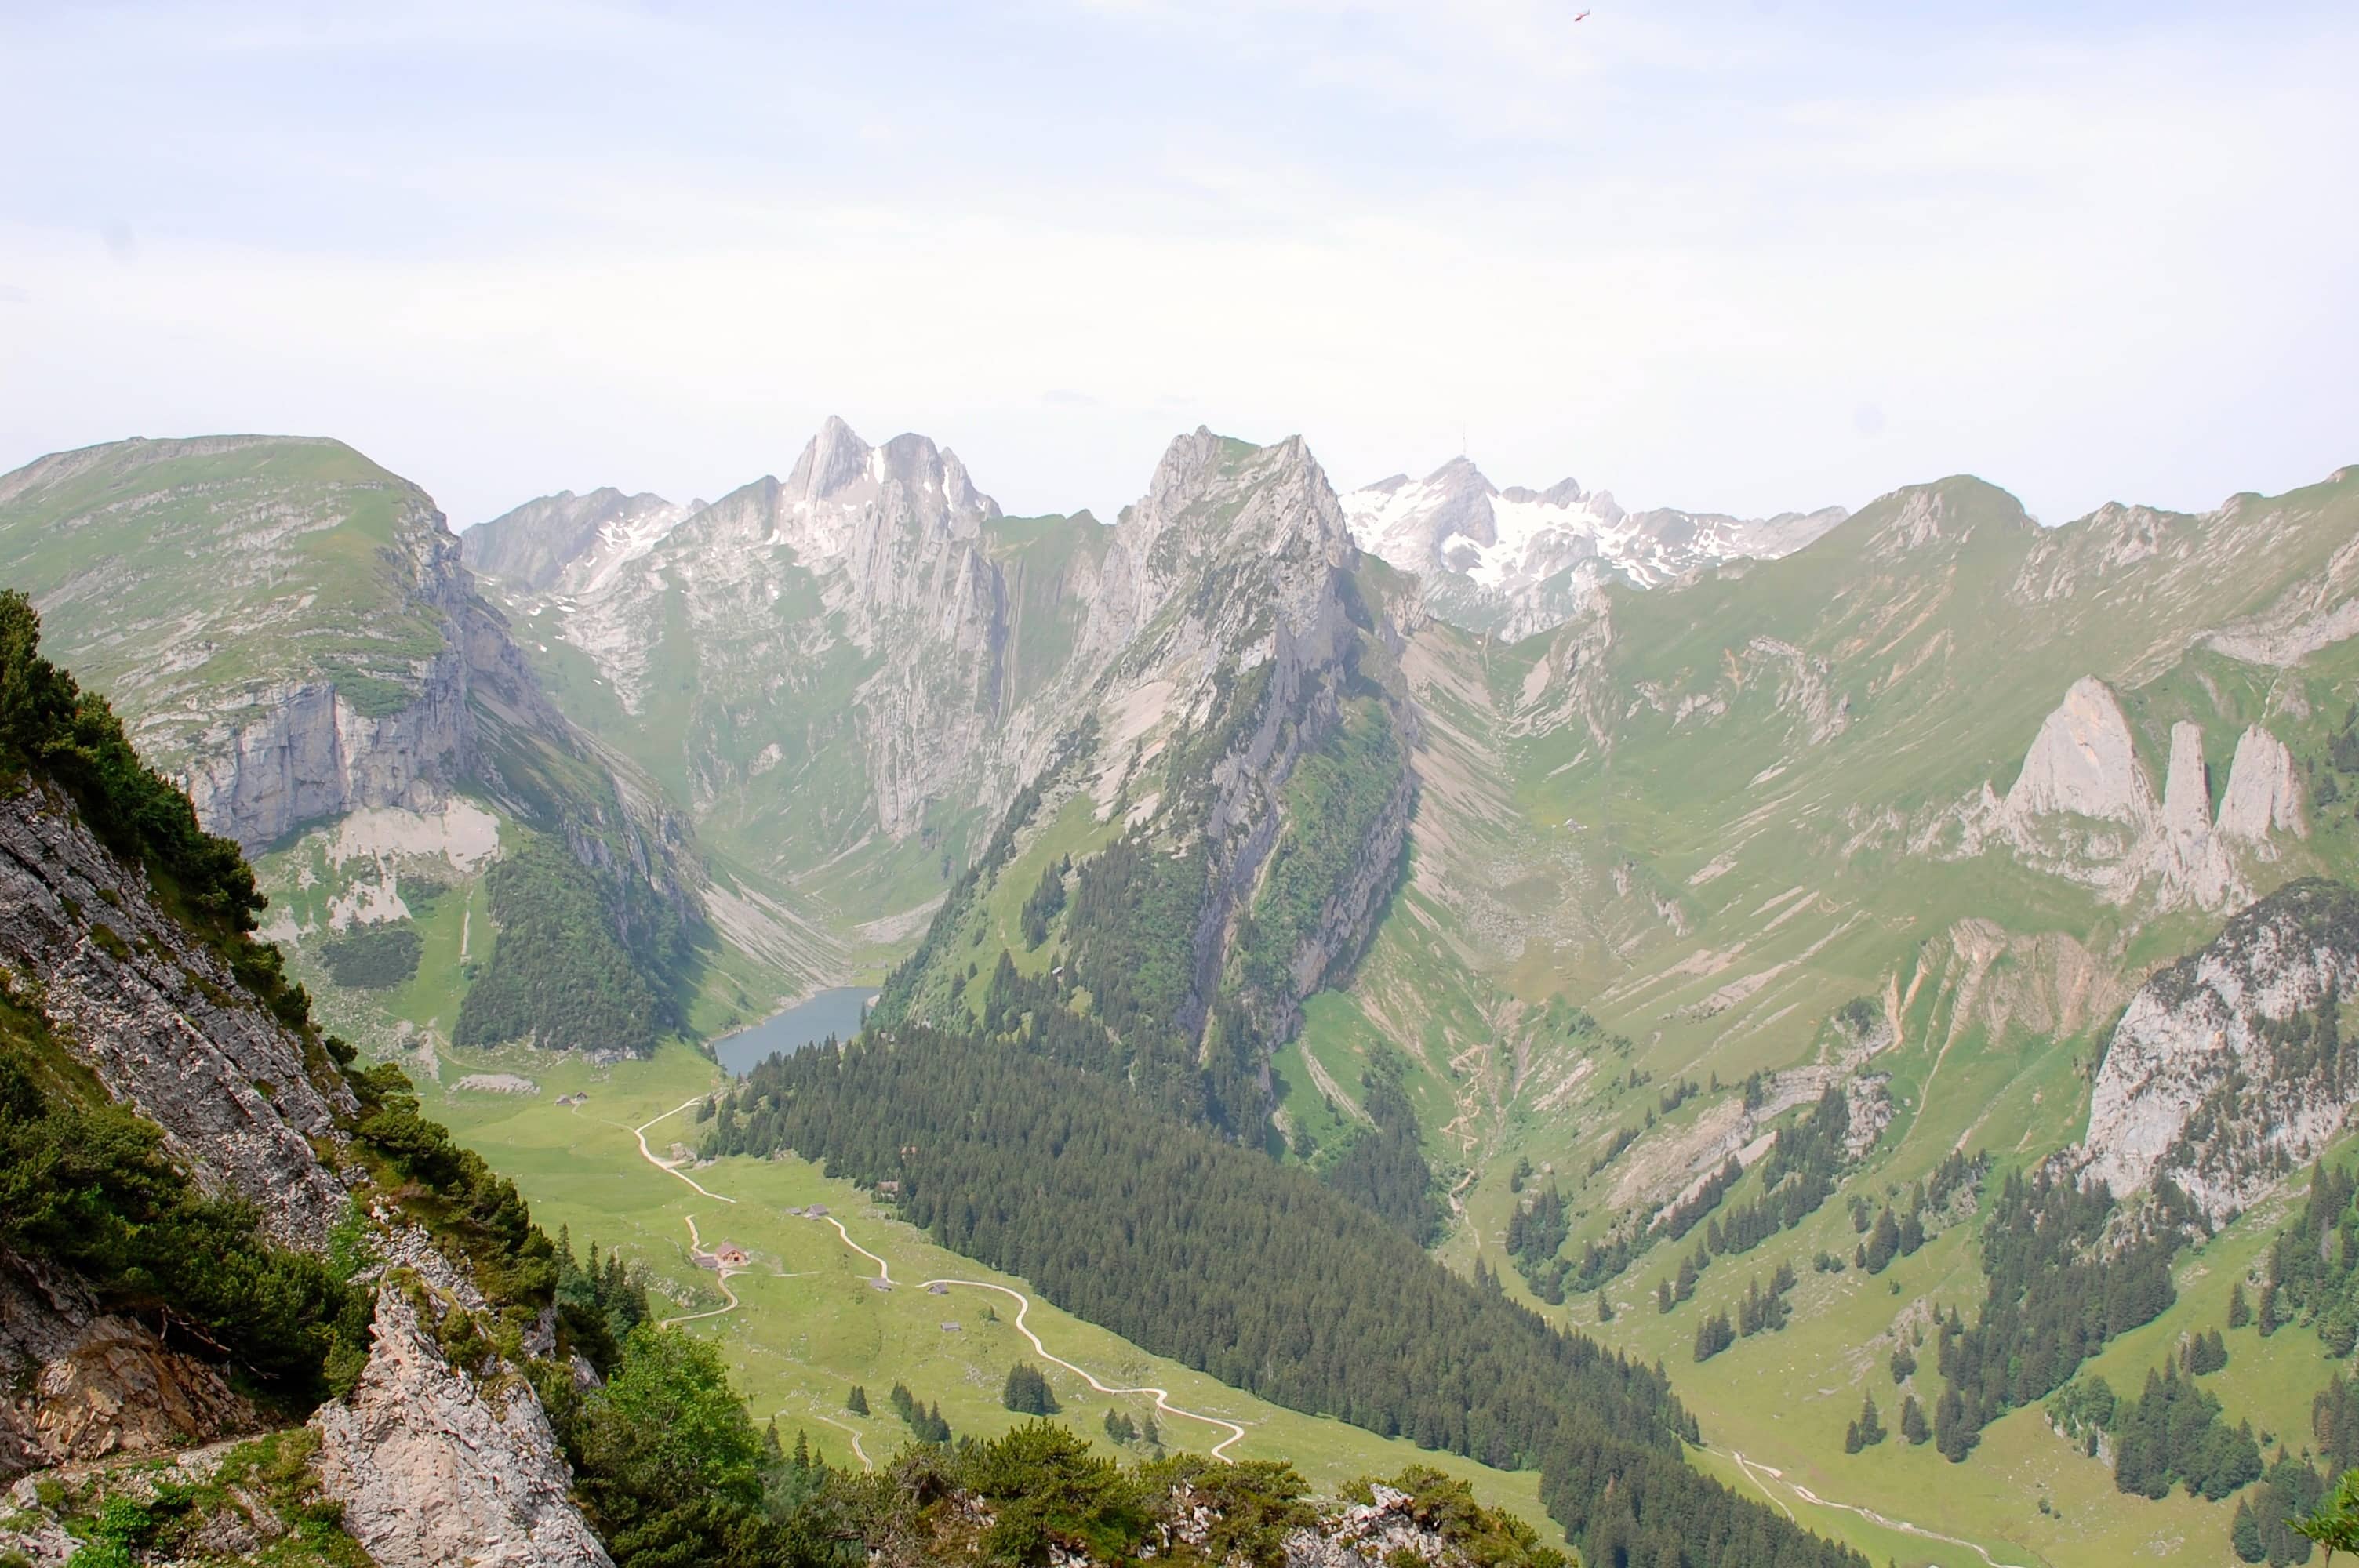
(2240, 1312)
(1912, 1422)
(858, 1402)
(2244, 1535)
(1027, 1392)
(1883, 1243)
(1604, 1307)
(1663, 1299)
(1870, 1425)
(2266, 1318)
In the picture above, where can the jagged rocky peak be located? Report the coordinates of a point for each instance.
(2084, 762)
(568, 543)
(2264, 792)
(840, 480)
(2230, 1067)
(1216, 495)
(2083, 806)
(1251, 532)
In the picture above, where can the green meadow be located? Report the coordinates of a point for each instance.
(810, 1324)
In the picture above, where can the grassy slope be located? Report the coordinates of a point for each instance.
(810, 1326)
(1604, 882)
(157, 539)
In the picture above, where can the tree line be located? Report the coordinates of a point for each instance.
(2057, 1291)
(1293, 1293)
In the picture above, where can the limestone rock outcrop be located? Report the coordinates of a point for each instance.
(86, 1384)
(2264, 794)
(283, 755)
(2083, 763)
(2083, 807)
(434, 1465)
(1384, 1530)
(2229, 1067)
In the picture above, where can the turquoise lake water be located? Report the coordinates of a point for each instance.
(833, 1012)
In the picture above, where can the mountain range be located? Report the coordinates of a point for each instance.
(1597, 897)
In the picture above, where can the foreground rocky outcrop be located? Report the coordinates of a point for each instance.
(109, 995)
(2230, 1067)
(244, 1501)
(86, 1384)
(1387, 1529)
(437, 1464)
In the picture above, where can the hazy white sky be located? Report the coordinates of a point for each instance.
(1748, 256)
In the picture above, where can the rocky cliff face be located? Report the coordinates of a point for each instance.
(839, 666)
(287, 755)
(1232, 646)
(432, 1466)
(1237, 562)
(2230, 1067)
(276, 618)
(162, 1022)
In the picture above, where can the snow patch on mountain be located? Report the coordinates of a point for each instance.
(1510, 550)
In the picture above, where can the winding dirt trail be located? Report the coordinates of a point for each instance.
(721, 1277)
(716, 1312)
(883, 1270)
(885, 1274)
(695, 1241)
(666, 1166)
(1162, 1398)
(850, 1431)
(1750, 1465)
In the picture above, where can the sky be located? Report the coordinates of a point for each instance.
(1743, 256)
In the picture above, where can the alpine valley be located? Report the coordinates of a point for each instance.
(1426, 1022)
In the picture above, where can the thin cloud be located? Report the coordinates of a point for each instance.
(1685, 260)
